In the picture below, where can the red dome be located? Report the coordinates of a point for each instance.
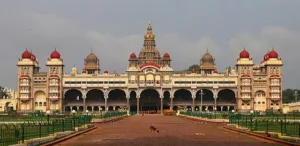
(55, 55)
(244, 54)
(166, 55)
(33, 58)
(273, 54)
(106, 72)
(26, 54)
(266, 57)
(132, 55)
(84, 71)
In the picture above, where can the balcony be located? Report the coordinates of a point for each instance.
(24, 98)
(53, 91)
(53, 98)
(24, 91)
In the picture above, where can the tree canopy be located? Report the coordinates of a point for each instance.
(3, 92)
(196, 67)
(288, 95)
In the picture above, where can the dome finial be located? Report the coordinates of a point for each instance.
(272, 48)
(206, 50)
(91, 50)
(149, 28)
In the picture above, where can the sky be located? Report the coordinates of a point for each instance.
(115, 29)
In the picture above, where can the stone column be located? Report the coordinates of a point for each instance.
(193, 106)
(128, 103)
(84, 104)
(106, 108)
(161, 104)
(171, 102)
(138, 105)
(215, 98)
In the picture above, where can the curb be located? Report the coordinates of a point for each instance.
(262, 137)
(112, 120)
(68, 137)
(200, 120)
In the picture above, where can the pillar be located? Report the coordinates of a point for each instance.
(84, 105)
(114, 108)
(161, 104)
(193, 106)
(215, 103)
(128, 104)
(221, 108)
(106, 108)
(171, 103)
(138, 105)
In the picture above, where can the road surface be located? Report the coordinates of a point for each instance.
(174, 131)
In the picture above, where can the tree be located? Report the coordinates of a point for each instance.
(196, 67)
(288, 95)
(3, 92)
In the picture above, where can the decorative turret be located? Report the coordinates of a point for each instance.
(149, 53)
(91, 64)
(74, 70)
(166, 60)
(207, 63)
(133, 60)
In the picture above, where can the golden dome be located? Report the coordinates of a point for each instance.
(149, 35)
(207, 57)
(91, 58)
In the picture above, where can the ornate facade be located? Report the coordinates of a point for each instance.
(150, 83)
(10, 102)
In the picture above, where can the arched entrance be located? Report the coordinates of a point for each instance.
(182, 97)
(166, 100)
(149, 100)
(207, 98)
(94, 97)
(260, 100)
(67, 109)
(117, 97)
(73, 97)
(8, 107)
(226, 97)
(133, 101)
(40, 101)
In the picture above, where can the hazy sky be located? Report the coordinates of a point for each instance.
(115, 29)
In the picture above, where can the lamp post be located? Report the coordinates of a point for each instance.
(100, 112)
(285, 113)
(86, 116)
(251, 114)
(215, 110)
(232, 116)
(296, 95)
(201, 95)
(48, 112)
(73, 112)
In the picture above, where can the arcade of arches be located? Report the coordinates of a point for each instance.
(96, 100)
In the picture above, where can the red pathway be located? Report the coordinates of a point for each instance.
(174, 131)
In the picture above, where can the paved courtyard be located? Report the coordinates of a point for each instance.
(174, 131)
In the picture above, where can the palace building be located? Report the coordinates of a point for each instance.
(150, 83)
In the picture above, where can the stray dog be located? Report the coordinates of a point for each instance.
(153, 129)
(268, 134)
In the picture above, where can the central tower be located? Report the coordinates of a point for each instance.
(149, 53)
